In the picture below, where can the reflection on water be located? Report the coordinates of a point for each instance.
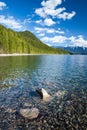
(57, 70)
(14, 67)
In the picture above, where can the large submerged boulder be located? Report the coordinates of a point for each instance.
(29, 113)
(43, 94)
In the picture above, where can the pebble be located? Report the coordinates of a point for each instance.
(29, 113)
(10, 110)
(27, 104)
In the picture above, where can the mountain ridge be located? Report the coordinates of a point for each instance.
(24, 42)
(76, 50)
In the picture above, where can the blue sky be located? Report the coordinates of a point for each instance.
(55, 22)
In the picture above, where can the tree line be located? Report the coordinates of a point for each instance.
(23, 42)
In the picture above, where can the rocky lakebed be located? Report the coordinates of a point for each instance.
(23, 109)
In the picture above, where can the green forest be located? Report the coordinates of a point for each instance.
(24, 42)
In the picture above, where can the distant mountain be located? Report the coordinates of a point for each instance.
(75, 50)
(24, 42)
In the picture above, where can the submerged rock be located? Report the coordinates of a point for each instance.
(10, 110)
(29, 113)
(26, 104)
(60, 93)
(43, 94)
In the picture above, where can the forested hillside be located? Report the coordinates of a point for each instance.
(23, 42)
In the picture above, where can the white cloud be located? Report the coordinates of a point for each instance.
(50, 8)
(49, 22)
(27, 20)
(72, 38)
(66, 15)
(39, 21)
(41, 34)
(10, 22)
(48, 30)
(51, 4)
(63, 40)
(78, 41)
(2, 5)
(40, 12)
(53, 12)
(44, 12)
(55, 39)
(39, 30)
(59, 31)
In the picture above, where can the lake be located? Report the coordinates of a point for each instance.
(63, 76)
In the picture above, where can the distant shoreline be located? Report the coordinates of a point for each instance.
(16, 54)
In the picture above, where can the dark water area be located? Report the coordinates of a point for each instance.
(65, 79)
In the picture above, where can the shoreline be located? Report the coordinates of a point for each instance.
(16, 54)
